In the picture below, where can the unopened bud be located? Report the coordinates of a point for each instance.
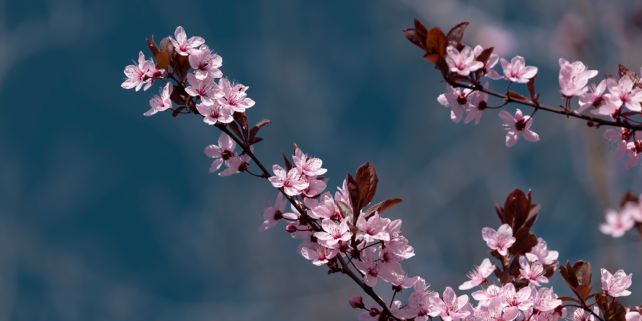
(356, 302)
(291, 228)
(301, 221)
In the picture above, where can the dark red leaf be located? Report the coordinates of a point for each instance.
(583, 291)
(162, 61)
(456, 33)
(366, 178)
(235, 128)
(177, 111)
(345, 210)
(420, 28)
(623, 71)
(501, 276)
(436, 42)
(485, 55)
(500, 213)
(532, 215)
(152, 46)
(583, 272)
(524, 242)
(442, 66)
(353, 191)
(241, 119)
(628, 197)
(255, 140)
(531, 89)
(549, 269)
(288, 165)
(568, 299)
(516, 209)
(179, 96)
(257, 127)
(294, 150)
(515, 95)
(382, 207)
(607, 76)
(412, 36)
(166, 45)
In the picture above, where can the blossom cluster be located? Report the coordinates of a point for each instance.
(461, 64)
(619, 222)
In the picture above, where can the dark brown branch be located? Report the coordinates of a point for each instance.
(547, 108)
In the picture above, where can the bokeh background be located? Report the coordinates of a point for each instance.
(109, 215)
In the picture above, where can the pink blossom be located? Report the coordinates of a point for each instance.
(333, 233)
(622, 93)
(184, 46)
(234, 96)
(419, 301)
(405, 282)
(520, 299)
(319, 255)
(374, 228)
(479, 275)
(574, 77)
(485, 295)
(215, 113)
(369, 266)
(462, 62)
(629, 316)
(533, 272)
(390, 266)
(356, 302)
(496, 311)
(455, 99)
(309, 166)
(492, 61)
(206, 89)
(634, 150)
(519, 124)
(516, 70)
(621, 137)
(583, 315)
(540, 252)
(323, 207)
(450, 307)
(137, 76)
(237, 164)
(315, 187)
(292, 182)
(545, 299)
(477, 102)
(342, 194)
(616, 285)
(275, 213)
(205, 63)
(593, 98)
(632, 210)
(616, 225)
(223, 152)
(161, 103)
(500, 240)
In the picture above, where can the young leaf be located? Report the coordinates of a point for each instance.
(436, 42)
(516, 209)
(166, 45)
(255, 140)
(242, 120)
(288, 165)
(485, 55)
(525, 240)
(500, 213)
(179, 96)
(456, 33)
(382, 207)
(420, 28)
(366, 178)
(345, 210)
(257, 127)
(568, 299)
(413, 37)
(152, 46)
(514, 95)
(583, 272)
(355, 195)
(162, 60)
(177, 111)
(531, 89)
(235, 128)
(623, 71)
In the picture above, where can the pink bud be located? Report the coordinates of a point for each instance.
(356, 302)
(291, 228)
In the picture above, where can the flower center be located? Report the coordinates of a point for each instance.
(462, 99)
(226, 154)
(519, 125)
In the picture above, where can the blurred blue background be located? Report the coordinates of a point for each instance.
(109, 215)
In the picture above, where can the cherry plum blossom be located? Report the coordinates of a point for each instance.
(573, 78)
(184, 46)
(162, 102)
(499, 240)
(223, 152)
(462, 62)
(234, 96)
(479, 275)
(519, 124)
(616, 285)
(291, 181)
(205, 63)
(616, 224)
(517, 71)
(275, 213)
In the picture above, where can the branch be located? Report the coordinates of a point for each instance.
(547, 108)
(345, 269)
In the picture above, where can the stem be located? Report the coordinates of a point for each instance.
(549, 109)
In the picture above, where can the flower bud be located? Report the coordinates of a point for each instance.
(356, 302)
(291, 228)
